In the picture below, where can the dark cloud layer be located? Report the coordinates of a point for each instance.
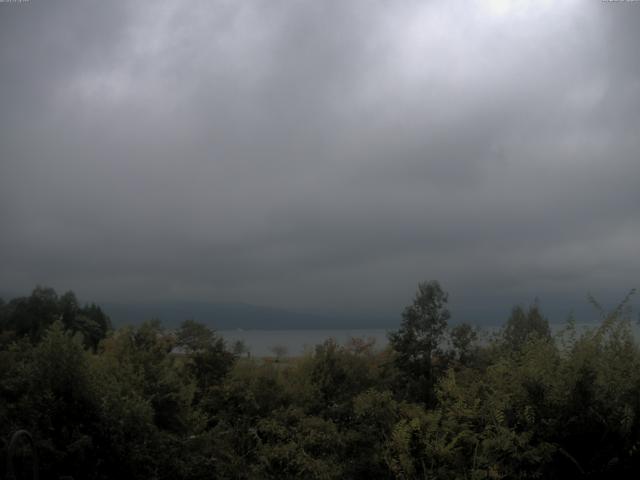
(321, 155)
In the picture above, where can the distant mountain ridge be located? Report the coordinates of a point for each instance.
(227, 316)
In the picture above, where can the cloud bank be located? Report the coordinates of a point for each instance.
(320, 155)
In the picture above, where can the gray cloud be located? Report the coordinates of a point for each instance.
(320, 155)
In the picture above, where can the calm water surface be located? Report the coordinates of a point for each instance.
(297, 342)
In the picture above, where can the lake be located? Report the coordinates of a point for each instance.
(297, 342)
(260, 342)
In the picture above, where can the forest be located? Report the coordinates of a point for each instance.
(441, 401)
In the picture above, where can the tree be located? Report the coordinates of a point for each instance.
(463, 338)
(89, 320)
(417, 341)
(279, 351)
(93, 323)
(240, 347)
(31, 316)
(209, 360)
(194, 336)
(61, 403)
(524, 325)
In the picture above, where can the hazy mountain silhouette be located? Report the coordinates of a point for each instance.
(224, 316)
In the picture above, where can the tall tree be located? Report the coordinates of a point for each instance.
(463, 339)
(524, 325)
(195, 336)
(31, 316)
(417, 342)
(209, 360)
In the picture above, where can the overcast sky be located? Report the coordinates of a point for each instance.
(321, 155)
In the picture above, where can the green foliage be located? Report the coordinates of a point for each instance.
(523, 325)
(49, 390)
(147, 403)
(292, 445)
(464, 339)
(205, 355)
(194, 336)
(142, 358)
(30, 317)
(418, 341)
